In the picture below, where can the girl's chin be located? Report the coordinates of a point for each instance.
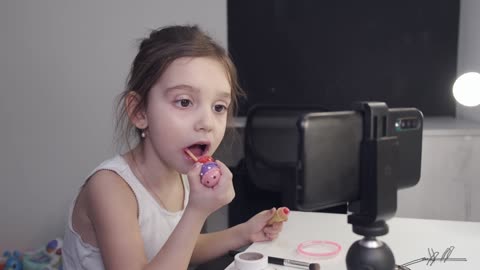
(186, 167)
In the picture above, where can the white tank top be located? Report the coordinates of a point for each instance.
(156, 223)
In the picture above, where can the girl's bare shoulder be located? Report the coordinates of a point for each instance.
(107, 191)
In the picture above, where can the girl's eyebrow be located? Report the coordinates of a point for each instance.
(182, 86)
(222, 94)
(225, 94)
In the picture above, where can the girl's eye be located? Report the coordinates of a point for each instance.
(220, 108)
(183, 102)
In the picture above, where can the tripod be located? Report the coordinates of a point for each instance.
(370, 253)
(378, 193)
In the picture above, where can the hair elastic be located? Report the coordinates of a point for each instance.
(333, 248)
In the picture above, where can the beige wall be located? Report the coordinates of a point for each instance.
(469, 50)
(61, 65)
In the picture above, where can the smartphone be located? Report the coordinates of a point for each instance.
(329, 155)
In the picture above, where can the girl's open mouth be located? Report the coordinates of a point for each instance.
(198, 149)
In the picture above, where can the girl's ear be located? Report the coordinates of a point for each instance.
(136, 114)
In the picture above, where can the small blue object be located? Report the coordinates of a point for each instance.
(49, 257)
(14, 260)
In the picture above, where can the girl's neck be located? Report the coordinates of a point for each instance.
(153, 169)
(163, 184)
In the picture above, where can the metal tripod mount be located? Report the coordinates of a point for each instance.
(378, 191)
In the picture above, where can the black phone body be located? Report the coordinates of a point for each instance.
(329, 155)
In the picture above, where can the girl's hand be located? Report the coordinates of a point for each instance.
(258, 230)
(209, 199)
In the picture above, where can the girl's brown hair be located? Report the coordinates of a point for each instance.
(155, 54)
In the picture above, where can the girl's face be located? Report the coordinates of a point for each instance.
(187, 108)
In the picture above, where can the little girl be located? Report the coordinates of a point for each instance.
(144, 209)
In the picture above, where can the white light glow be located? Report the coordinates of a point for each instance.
(466, 89)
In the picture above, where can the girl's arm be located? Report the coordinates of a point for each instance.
(212, 245)
(113, 212)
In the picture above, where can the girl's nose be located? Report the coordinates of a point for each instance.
(205, 121)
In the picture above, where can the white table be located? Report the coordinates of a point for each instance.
(409, 239)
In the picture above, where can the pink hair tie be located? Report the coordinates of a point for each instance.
(329, 248)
